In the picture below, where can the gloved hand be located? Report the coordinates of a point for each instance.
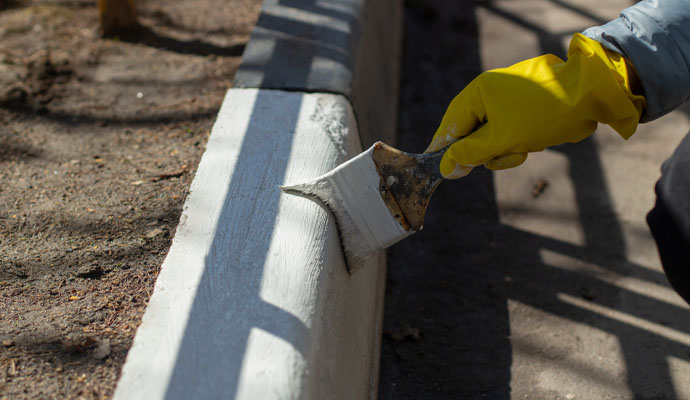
(535, 104)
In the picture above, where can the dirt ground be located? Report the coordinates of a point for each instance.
(99, 141)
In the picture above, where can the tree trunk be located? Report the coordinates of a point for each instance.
(117, 16)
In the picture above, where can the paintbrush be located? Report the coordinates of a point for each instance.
(377, 198)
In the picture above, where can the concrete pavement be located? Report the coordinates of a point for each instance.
(541, 282)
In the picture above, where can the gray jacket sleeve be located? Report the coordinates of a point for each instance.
(655, 36)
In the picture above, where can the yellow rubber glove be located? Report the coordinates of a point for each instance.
(535, 104)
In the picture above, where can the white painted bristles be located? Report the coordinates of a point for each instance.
(351, 192)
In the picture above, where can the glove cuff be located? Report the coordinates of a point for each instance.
(627, 105)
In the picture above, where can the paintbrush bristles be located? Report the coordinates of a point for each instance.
(352, 193)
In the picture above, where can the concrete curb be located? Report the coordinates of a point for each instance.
(253, 299)
(348, 47)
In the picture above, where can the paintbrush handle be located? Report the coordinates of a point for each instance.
(430, 163)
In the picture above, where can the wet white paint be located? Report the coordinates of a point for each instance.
(391, 180)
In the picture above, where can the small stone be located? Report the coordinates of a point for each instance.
(78, 343)
(102, 350)
(8, 342)
(539, 187)
(93, 271)
(153, 233)
(12, 368)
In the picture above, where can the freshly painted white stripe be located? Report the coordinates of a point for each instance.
(254, 300)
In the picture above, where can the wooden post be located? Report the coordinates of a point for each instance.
(117, 16)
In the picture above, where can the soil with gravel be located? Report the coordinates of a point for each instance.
(99, 141)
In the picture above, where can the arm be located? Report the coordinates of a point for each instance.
(654, 35)
(505, 113)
